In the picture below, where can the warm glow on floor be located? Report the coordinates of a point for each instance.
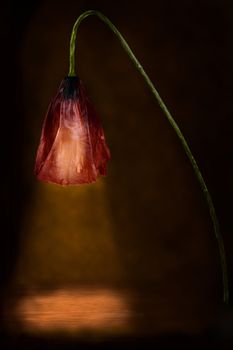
(74, 310)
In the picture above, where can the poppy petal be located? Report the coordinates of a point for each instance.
(72, 148)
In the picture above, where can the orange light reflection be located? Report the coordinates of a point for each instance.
(74, 310)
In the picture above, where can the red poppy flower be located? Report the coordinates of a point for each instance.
(72, 147)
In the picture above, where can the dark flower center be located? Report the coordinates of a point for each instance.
(70, 87)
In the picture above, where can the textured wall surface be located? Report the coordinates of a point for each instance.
(145, 227)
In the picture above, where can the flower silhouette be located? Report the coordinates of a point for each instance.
(72, 147)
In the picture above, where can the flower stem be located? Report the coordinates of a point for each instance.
(174, 126)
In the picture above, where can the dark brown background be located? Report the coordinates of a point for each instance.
(147, 221)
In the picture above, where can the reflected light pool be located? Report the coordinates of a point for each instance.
(74, 310)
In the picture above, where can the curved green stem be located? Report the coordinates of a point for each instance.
(173, 124)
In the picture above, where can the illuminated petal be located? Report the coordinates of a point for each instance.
(72, 147)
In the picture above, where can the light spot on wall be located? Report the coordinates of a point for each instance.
(95, 310)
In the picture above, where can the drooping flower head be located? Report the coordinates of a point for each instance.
(72, 147)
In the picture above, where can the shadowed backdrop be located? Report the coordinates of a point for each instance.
(145, 228)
